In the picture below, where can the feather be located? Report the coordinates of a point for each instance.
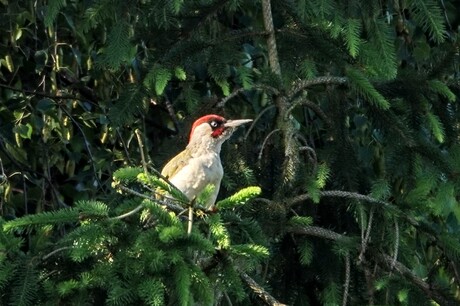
(177, 162)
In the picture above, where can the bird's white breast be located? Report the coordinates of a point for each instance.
(200, 171)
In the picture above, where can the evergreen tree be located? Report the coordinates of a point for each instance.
(354, 149)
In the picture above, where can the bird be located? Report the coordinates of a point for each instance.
(199, 164)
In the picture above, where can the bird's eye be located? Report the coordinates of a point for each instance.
(214, 124)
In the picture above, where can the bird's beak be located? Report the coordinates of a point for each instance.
(235, 123)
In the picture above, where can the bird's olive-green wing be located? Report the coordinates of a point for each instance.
(174, 165)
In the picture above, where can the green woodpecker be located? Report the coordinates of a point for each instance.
(199, 164)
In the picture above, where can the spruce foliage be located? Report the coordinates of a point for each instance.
(343, 190)
(132, 258)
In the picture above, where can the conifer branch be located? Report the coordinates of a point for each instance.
(30, 172)
(171, 185)
(311, 105)
(360, 197)
(315, 231)
(271, 41)
(164, 178)
(419, 225)
(385, 261)
(323, 80)
(239, 34)
(346, 285)
(173, 207)
(361, 221)
(370, 279)
(291, 160)
(204, 18)
(261, 292)
(445, 15)
(396, 246)
(434, 293)
(311, 153)
(212, 262)
(236, 92)
(129, 213)
(311, 156)
(367, 235)
(45, 94)
(338, 194)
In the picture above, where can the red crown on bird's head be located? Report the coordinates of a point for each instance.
(206, 119)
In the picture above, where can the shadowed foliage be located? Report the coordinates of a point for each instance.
(343, 190)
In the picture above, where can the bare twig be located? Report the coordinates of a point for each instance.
(55, 252)
(172, 113)
(125, 148)
(141, 149)
(367, 235)
(173, 207)
(257, 119)
(129, 213)
(3, 180)
(190, 218)
(25, 197)
(455, 271)
(86, 142)
(227, 298)
(3, 176)
(257, 289)
(265, 141)
(238, 91)
(396, 246)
